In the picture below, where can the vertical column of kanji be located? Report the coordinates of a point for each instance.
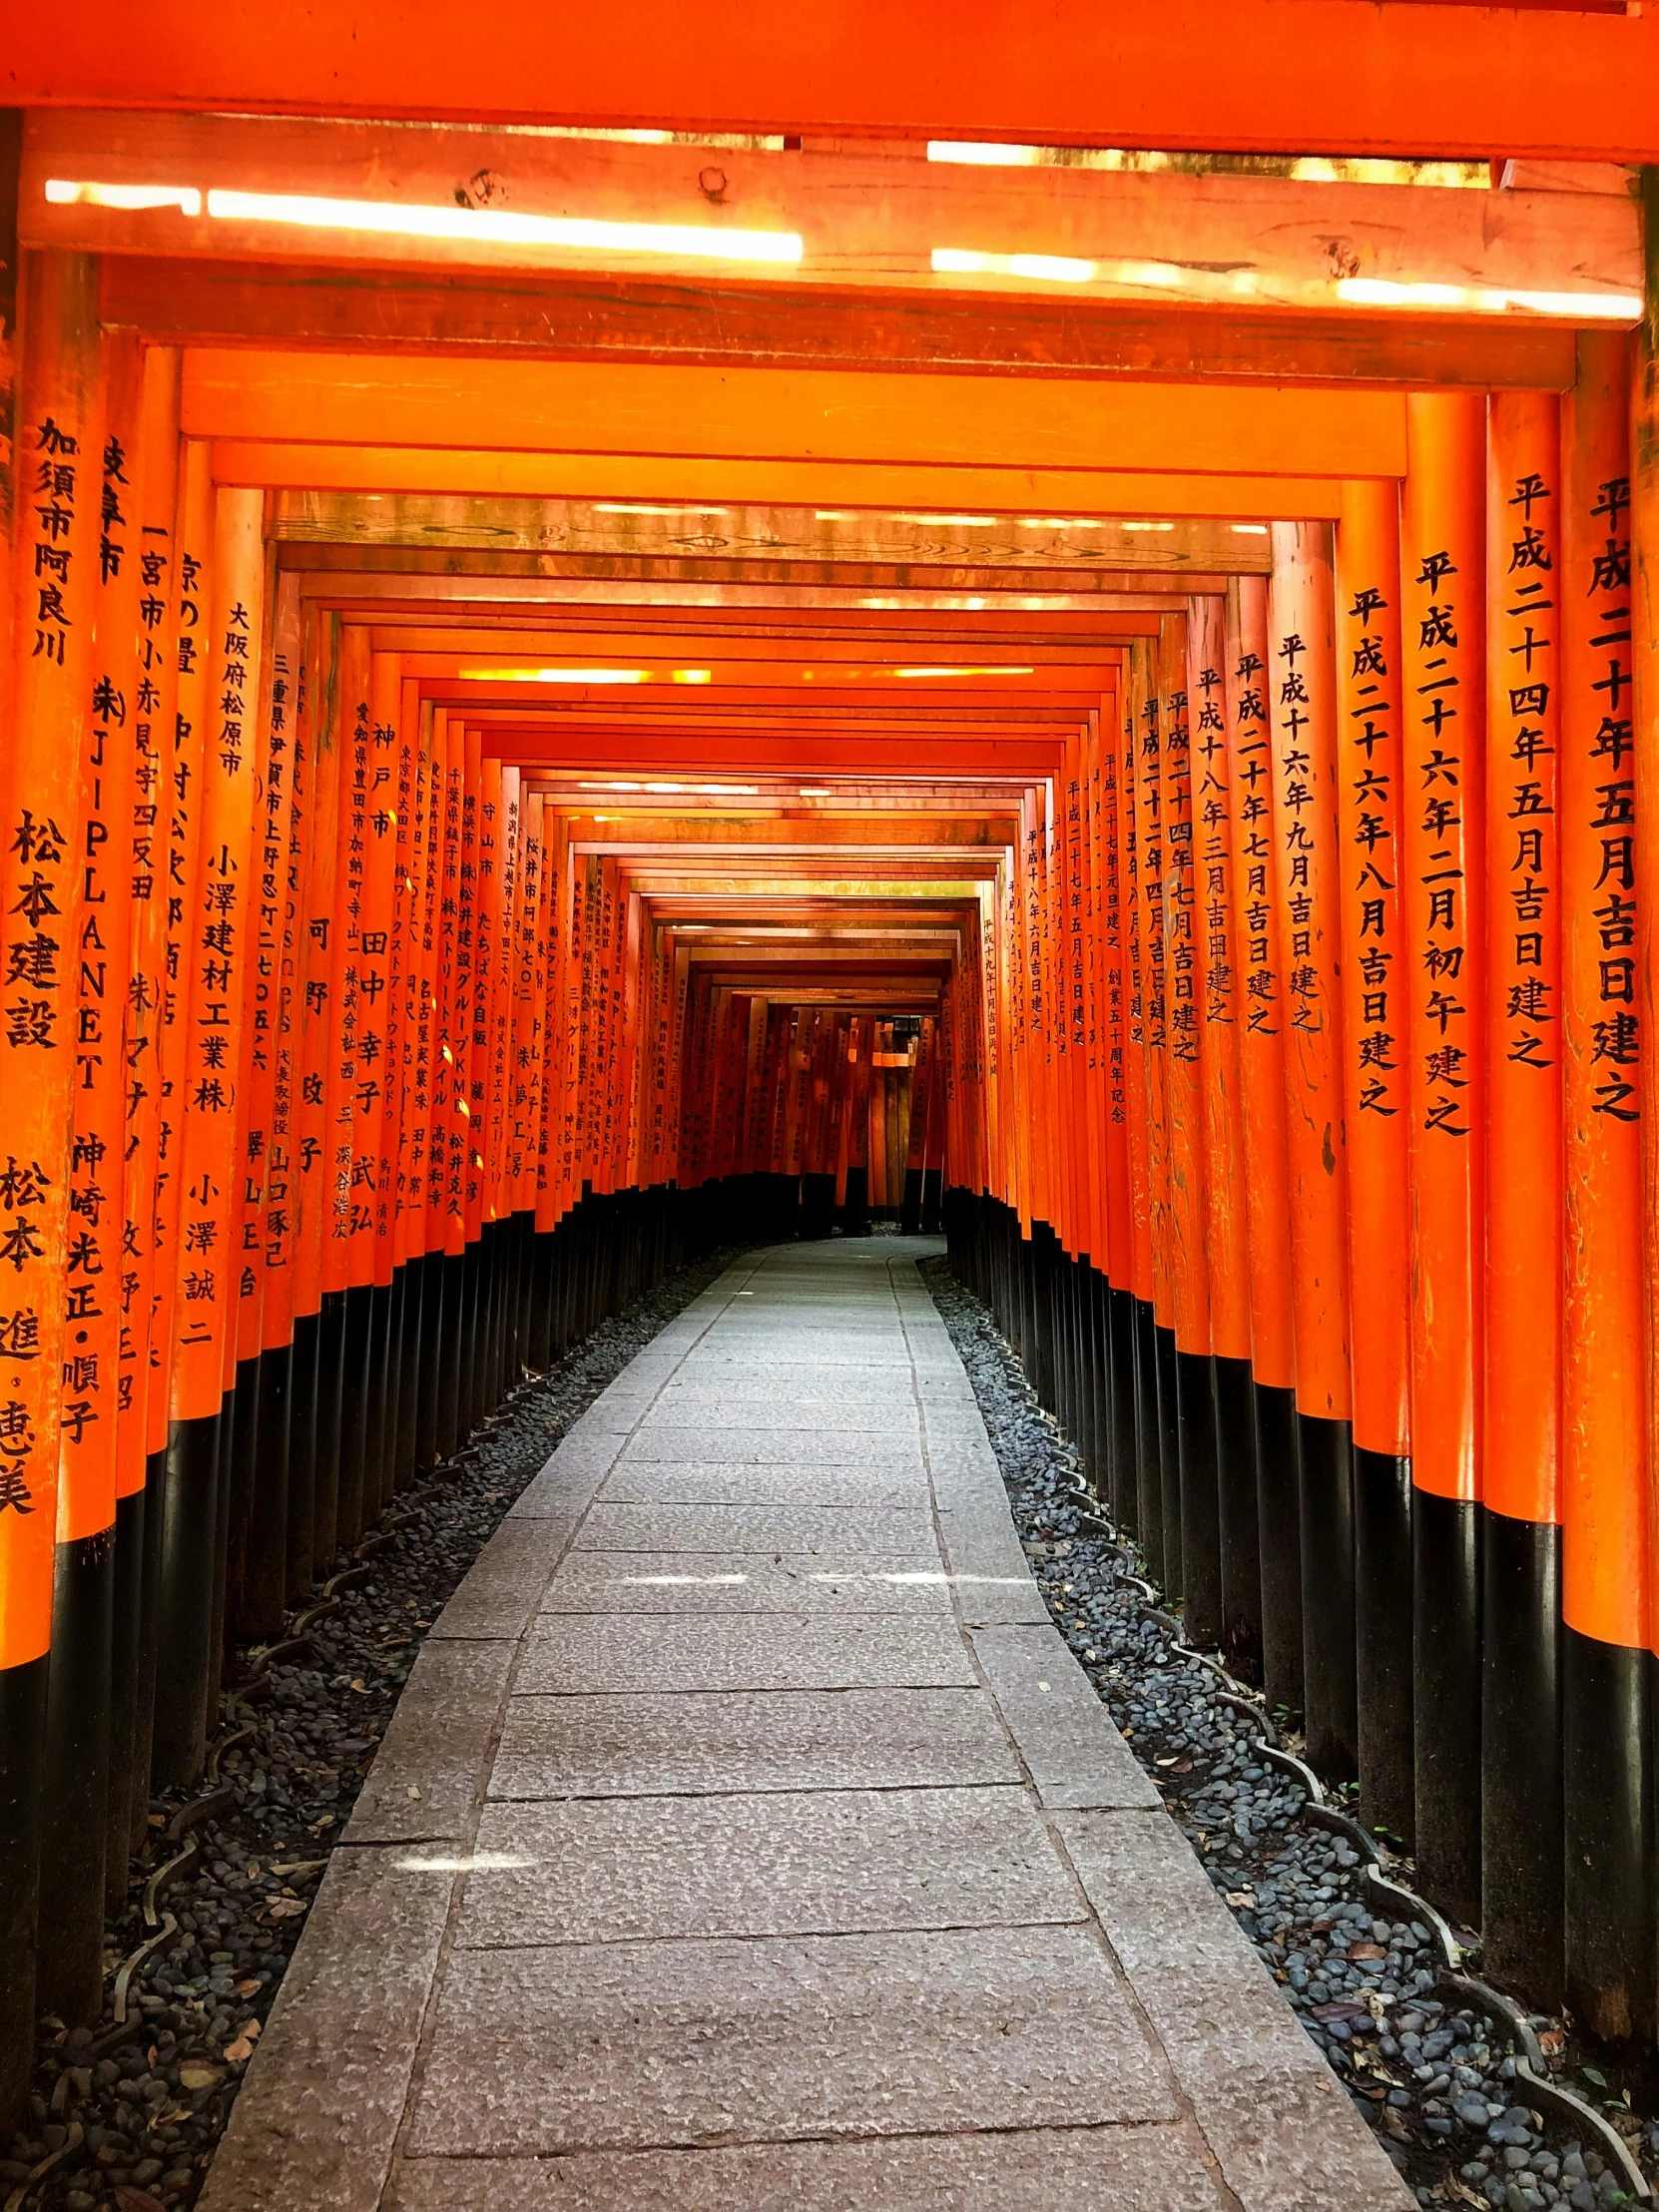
(55, 561)
(1301, 686)
(1226, 1231)
(101, 1133)
(219, 953)
(502, 789)
(1153, 803)
(1368, 800)
(540, 953)
(443, 1241)
(314, 1424)
(420, 1064)
(464, 1221)
(392, 1264)
(141, 1421)
(245, 1382)
(1088, 1240)
(1267, 1155)
(552, 1166)
(341, 1278)
(1091, 1093)
(1605, 812)
(369, 1261)
(1184, 1109)
(523, 1075)
(90, 950)
(258, 1517)
(1644, 658)
(283, 862)
(177, 1583)
(1442, 620)
(1120, 1235)
(1520, 1729)
(1147, 1506)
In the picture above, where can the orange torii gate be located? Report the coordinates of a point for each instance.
(1250, 960)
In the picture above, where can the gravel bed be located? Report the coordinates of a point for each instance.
(1435, 2080)
(135, 2117)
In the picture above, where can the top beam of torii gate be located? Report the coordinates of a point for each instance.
(1312, 76)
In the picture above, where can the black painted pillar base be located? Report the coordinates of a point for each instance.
(380, 1434)
(1098, 1293)
(1610, 1829)
(264, 1577)
(1383, 1574)
(356, 1383)
(1120, 1322)
(817, 1206)
(300, 1497)
(126, 1648)
(1445, 1580)
(330, 1368)
(932, 1200)
(74, 1782)
(1169, 1456)
(1279, 1518)
(1521, 1834)
(144, 1699)
(1238, 1535)
(1149, 1482)
(1329, 1656)
(22, 1740)
(855, 1204)
(1195, 1411)
(185, 1601)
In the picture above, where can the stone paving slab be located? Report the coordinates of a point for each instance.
(753, 1740)
(770, 1848)
(434, 1760)
(755, 1484)
(1065, 1735)
(497, 1595)
(316, 2128)
(744, 1583)
(894, 1532)
(630, 2045)
(1114, 2170)
(821, 1862)
(737, 1652)
(806, 1447)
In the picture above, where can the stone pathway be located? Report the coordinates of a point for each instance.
(747, 1837)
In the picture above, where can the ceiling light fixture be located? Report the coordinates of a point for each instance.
(646, 507)
(185, 198)
(1045, 268)
(499, 227)
(555, 676)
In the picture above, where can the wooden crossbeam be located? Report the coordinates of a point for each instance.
(944, 425)
(376, 198)
(180, 302)
(1317, 76)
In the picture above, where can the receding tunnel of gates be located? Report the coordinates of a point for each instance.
(1239, 958)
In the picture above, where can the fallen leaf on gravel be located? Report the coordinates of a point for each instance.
(238, 2053)
(199, 2074)
(285, 1908)
(137, 2200)
(1366, 1951)
(250, 1988)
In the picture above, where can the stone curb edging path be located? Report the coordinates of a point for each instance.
(747, 1835)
